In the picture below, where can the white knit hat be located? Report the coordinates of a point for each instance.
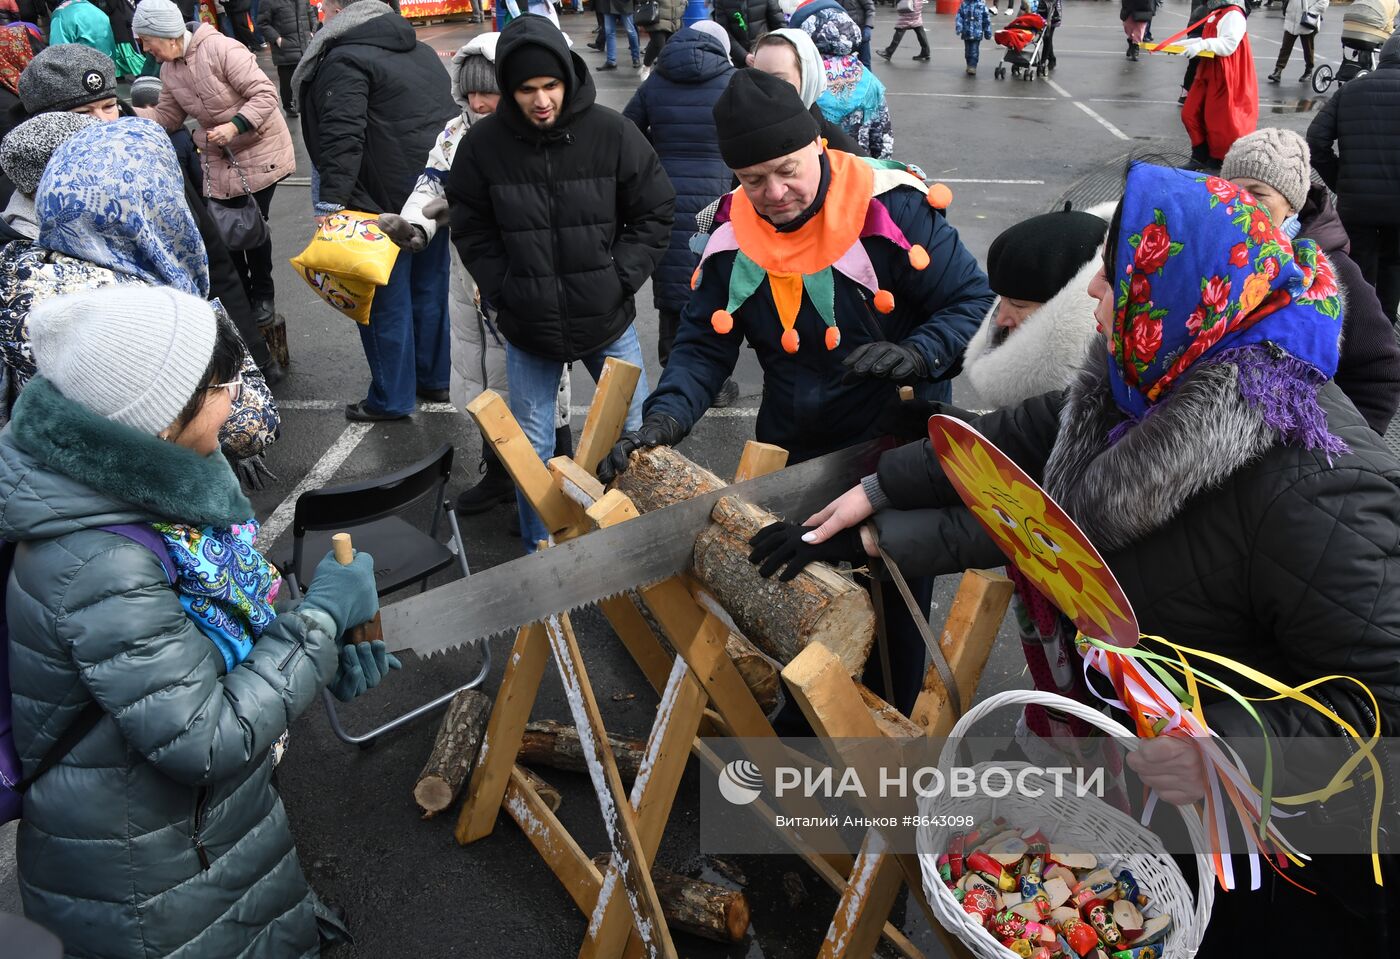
(158, 18)
(132, 354)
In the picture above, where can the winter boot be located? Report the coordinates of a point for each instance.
(494, 488)
(564, 443)
(1276, 76)
(1132, 51)
(1307, 75)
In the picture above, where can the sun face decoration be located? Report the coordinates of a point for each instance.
(1038, 537)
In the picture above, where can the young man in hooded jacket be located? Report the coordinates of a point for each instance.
(561, 211)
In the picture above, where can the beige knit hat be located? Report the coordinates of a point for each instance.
(1274, 156)
(133, 354)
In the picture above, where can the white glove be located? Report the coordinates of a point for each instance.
(1191, 46)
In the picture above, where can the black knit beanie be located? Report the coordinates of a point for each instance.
(526, 61)
(1036, 258)
(760, 118)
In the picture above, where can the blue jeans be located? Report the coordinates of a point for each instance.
(863, 52)
(609, 31)
(406, 341)
(972, 49)
(534, 384)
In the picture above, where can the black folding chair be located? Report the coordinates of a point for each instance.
(371, 511)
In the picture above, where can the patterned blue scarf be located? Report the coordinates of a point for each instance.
(113, 195)
(226, 586)
(1202, 275)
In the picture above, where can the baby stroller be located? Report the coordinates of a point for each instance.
(1023, 38)
(1365, 26)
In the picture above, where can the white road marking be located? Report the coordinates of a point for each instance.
(730, 412)
(1087, 109)
(315, 478)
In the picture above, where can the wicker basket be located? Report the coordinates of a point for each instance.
(1076, 822)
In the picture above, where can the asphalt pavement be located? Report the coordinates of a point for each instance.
(1008, 150)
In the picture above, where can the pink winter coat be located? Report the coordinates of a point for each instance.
(217, 78)
(913, 17)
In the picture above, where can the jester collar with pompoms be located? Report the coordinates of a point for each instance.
(803, 259)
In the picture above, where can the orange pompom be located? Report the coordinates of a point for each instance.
(695, 279)
(833, 337)
(939, 196)
(884, 301)
(790, 341)
(722, 321)
(918, 257)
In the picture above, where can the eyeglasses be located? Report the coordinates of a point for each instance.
(234, 387)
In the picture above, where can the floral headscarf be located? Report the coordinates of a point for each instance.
(113, 195)
(854, 97)
(15, 54)
(1200, 273)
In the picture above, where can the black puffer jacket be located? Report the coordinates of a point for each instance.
(559, 227)
(373, 101)
(861, 11)
(1369, 370)
(290, 21)
(746, 21)
(1223, 538)
(1362, 121)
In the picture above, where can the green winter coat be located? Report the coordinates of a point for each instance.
(160, 834)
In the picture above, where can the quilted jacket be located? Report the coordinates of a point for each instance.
(1248, 548)
(675, 110)
(216, 80)
(559, 227)
(1361, 122)
(160, 834)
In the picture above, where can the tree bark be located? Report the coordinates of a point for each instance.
(556, 745)
(454, 752)
(692, 905)
(548, 794)
(781, 619)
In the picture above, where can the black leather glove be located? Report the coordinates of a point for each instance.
(907, 420)
(779, 544)
(658, 429)
(885, 361)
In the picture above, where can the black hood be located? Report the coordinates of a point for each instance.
(1390, 53)
(579, 91)
(1321, 223)
(392, 33)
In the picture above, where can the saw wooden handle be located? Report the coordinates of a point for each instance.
(368, 632)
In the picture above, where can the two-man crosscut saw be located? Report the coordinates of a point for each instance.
(606, 562)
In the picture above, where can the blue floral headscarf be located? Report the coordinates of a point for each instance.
(113, 195)
(1201, 274)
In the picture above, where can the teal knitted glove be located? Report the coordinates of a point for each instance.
(346, 594)
(362, 666)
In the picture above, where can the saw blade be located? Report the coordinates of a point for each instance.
(606, 562)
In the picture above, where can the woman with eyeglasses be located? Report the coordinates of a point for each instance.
(150, 674)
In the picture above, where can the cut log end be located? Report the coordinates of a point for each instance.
(454, 752)
(700, 908)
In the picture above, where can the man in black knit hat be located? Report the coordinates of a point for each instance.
(560, 211)
(847, 284)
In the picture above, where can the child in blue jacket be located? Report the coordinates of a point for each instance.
(973, 24)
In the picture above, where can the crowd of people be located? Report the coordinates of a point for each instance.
(1200, 372)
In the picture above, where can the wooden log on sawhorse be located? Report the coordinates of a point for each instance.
(838, 710)
(571, 502)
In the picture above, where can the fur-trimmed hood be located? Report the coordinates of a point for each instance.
(63, 468)
(1039, 356)
(1196, 438)
(1043, 353)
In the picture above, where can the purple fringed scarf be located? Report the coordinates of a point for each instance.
(1201, 275)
